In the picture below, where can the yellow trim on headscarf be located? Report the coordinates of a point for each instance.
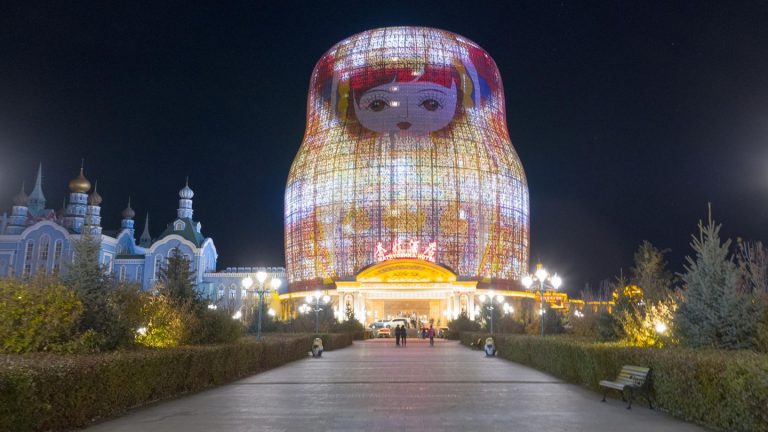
(466, 84)
(343, 103)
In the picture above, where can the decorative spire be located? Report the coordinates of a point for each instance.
(145, 240)
(21, 198)
(80, 184)
(95, 198)
(36, 198)
(128, 213)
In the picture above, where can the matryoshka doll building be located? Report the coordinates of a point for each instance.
(406, 197)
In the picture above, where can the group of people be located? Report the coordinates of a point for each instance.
(401, 335)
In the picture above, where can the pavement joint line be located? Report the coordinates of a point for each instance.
(397, 382)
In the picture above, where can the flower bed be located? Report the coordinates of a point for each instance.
(722, 389)
(43, 392)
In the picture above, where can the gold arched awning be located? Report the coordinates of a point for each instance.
(406, 270)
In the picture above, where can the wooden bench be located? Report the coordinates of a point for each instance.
(634, 379)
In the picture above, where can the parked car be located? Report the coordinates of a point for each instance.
(383, 332)
(394, 322)
(378, 324)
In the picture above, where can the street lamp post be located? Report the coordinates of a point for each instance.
(274, 285)
(490, 299)
(541, 276)
(317, 298)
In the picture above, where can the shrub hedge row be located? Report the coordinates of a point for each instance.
(44, 392)
(727, 390)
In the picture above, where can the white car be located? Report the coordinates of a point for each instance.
(394, 322)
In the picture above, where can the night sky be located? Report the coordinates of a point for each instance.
(628, 118)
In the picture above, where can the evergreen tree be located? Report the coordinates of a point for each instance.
(91, 282)
(650, 272)
(177, 280)
(714, 312)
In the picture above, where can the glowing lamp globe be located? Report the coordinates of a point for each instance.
(527, 281)
(541, 273)
(556, 281)
(275, 283)
(261, 276)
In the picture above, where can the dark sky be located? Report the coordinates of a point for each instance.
(628, 117)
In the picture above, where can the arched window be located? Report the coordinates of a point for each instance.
(221, 292)
(178, 225)
(139, 273)
(43, 249)
(27, 271)
(158, 265)
(122, 274)
(57, 249)
(232, 293)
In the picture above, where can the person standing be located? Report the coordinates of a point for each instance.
(397, 335)
(431, 334)
(403, 334)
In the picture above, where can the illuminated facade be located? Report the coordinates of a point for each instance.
(35, 240)
(406, 155)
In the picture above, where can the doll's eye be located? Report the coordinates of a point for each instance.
(377, 105)
(430, 104)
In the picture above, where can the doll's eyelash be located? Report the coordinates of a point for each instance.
(366, 101)
(437, 97)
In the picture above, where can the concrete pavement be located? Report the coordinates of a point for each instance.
(376, 386)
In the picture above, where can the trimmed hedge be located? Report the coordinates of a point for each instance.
(722, 389)
(43, 392)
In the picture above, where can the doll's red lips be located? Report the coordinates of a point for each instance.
(403, 125)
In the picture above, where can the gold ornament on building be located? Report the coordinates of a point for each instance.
(80, 184)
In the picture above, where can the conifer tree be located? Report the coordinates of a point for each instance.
(91, 282)
(650, 273)
(177, 279)
(714, 312)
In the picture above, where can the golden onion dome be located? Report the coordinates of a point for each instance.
(80, 184)
(21, 198)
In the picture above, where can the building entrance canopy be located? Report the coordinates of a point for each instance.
(382, 290)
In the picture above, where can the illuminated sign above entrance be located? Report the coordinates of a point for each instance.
(406, 249)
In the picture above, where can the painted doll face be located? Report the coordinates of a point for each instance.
(415, 108)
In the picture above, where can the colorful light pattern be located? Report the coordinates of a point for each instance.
(406, 140)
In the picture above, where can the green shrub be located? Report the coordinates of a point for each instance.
(508, 324)
(722, 389)
(217, 326)
(166, 324)
(461, 324)
(39, 315)
(54, 392)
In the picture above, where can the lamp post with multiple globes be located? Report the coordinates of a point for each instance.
(490, 298)
(274, 285)
(542, 276)
(317, 298)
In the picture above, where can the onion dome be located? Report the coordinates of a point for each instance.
(80, 184)
(128, 213)
(21, 198)
(94, 199)
(186, 192)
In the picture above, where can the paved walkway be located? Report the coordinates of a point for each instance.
(375, 386)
